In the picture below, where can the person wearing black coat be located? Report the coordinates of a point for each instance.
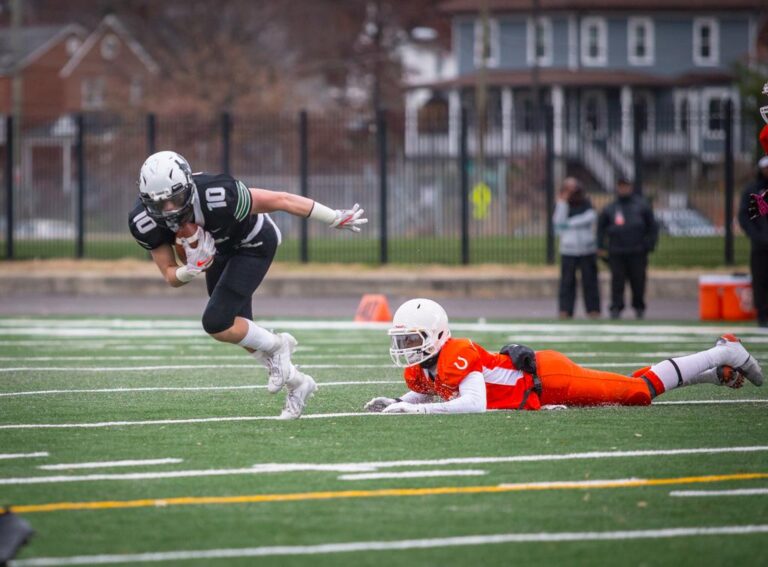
(757, 231)
(626, 233)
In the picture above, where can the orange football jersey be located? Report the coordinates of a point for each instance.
(764, 138)
(505, 386)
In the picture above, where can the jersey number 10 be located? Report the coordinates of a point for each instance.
(214, 197)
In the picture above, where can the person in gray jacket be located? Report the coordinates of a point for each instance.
(575, 221)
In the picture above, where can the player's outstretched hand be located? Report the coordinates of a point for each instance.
(377, 405)
(349, 219)
(200, 257)
(405, 407)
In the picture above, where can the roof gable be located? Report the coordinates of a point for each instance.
(113, 24)
(34, 41)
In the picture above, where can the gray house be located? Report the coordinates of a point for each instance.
(591, 60)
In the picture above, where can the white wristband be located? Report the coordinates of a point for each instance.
(184, 275)
(322, 213)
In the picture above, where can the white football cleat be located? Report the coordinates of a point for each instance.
(278, 362)
(297, 396)
(737, 357)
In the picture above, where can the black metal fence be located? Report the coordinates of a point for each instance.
(436, 189)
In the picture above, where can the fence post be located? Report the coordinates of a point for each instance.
(303, 184)
(381, 143)
(151, 133)
(80, 206)
(9, 187)
(728, 170)
(226, 133)
(464, 186)
(549, 181)
(637, 146)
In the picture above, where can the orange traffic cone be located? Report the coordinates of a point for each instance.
(373, 307)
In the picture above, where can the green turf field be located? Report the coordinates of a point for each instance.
(213, 479)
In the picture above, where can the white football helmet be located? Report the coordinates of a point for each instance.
(419, 330)
(167, 189)
(764, 109)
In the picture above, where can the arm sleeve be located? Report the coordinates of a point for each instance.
(471, 398)
(764, 138)
(602, 225)
(652, 229)
(560, 216)
(584, 219)
(416, 398)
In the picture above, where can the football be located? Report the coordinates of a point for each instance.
(188, 232)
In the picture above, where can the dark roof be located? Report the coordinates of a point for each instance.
(458, 6)
(583, 78)
(32, 39)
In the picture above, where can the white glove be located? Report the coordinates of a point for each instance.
(349, 219)
(201, 257)
(376, 405)
(405, 407)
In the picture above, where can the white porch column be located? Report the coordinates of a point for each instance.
(627, 125)
(66, 169)
(507, 111)
(454, 123)
(558, 117)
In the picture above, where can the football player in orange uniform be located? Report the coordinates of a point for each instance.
(471, 379)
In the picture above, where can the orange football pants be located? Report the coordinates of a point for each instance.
(565, 382)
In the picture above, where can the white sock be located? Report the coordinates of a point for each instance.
(690, 368)
(258, 338)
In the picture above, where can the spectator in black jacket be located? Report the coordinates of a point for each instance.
(757, 231)
(626, 233)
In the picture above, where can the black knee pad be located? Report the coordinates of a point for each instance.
(216, 320)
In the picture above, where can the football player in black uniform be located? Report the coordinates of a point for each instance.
(236, 242)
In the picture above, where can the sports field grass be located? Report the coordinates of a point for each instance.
(133, 440)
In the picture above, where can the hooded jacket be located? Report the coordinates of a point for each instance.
(576, 224)
(628, 225)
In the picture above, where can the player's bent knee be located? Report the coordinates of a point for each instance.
(214, 323)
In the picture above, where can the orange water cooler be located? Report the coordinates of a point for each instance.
(726, 297)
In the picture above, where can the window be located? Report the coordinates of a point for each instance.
(594, 39)
(110, 46)
(92, 93)
(706, 42)
(640, 41)
(715, 122)
(488, 54)
(682, 112)
(539, 44)
(434, 116)
(646, 108)
(594, 114)
(136, 91)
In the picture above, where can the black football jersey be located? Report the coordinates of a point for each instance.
(222, 206)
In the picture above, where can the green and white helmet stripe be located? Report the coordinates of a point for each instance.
(243, 207)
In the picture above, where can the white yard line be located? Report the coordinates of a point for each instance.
(734, 492)
(175, 367)
(695, 402)
(412, 474)
(375, 466)
(184, 388)
(392, 545)
(4, 456)
(110, 464)
(241, 357)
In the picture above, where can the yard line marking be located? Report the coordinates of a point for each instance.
(171, 357)
(693, 402)
(175, 367)
(411, 474)
(110, 464)
(390, 545)
(735, 492)
(185, 388)
(374, 466)
(23, 455)
(380, 493)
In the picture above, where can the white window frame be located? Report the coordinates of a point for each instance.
(601, 60)
(602, 108)
(633, 24)
(714, 55)
(493, 43)
(707, 96)
(92, 91)
(544, 60)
